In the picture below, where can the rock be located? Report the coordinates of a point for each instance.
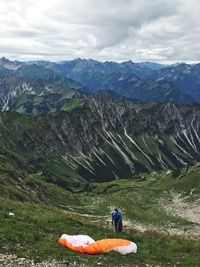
(7, 260)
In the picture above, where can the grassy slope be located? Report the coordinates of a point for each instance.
(52, 102)
(141, 201)
(73, 103)
(35, 228)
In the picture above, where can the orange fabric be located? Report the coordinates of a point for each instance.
(100, 246)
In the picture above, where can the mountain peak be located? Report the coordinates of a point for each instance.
(4, 60)
(128, 62)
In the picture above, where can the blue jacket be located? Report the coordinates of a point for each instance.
(116, 217)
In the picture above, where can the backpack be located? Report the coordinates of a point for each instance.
(117, 217)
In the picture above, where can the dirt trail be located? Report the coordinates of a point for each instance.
(176, 206)
(181, 207)
(188, 211)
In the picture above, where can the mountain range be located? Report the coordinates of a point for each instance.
(32, 89)
(38, 82)
(98, 121)
(101, 138)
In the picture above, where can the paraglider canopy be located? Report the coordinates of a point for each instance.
(85, 244)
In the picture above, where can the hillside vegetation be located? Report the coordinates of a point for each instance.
(164, 235)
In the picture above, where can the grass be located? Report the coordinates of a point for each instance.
(63, 175)
(71, 104)
(34, 231)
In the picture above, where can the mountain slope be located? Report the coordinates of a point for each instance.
(186, 77)
(132, 87)
(32, 89)
(120, 139)
(10, 65)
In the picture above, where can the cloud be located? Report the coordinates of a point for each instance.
(145, 30)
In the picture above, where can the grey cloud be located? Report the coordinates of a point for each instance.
(156, 30)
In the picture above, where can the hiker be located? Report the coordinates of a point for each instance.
(117, 220)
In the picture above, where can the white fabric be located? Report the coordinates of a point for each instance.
(78, 240)
(132, 248)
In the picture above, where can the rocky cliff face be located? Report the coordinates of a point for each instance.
(107, 137)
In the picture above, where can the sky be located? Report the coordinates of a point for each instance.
(164, 31)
